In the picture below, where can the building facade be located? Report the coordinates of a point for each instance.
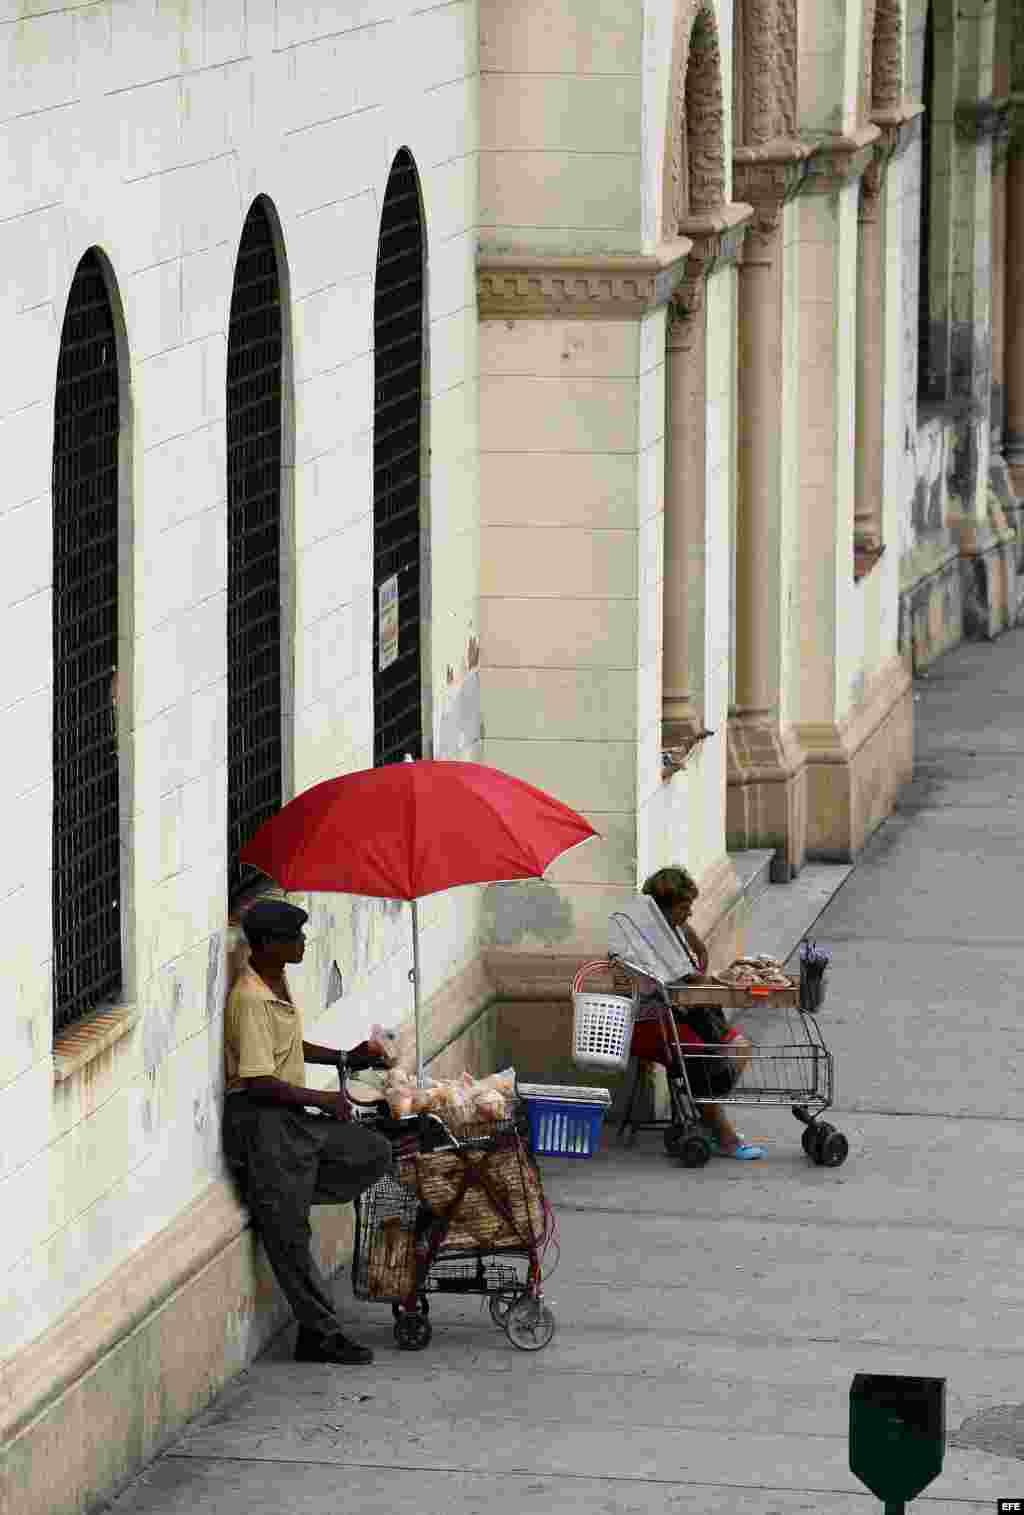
(630, 396)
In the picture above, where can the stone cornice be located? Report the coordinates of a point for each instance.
(982, 120)
(526, 287)
(1010, 142)
(837, 161)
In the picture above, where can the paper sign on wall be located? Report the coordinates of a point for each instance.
(387, 621)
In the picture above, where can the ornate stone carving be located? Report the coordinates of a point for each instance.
(887, 57)
(705, 117)
(598, 288)
(786, 32)
(694, 181)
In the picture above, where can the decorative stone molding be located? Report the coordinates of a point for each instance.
(838, 161)
(982, 120)
(599, 288)
(717, 242)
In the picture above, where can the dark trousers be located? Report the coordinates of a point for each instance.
(288, 1161)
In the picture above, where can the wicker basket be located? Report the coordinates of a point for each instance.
(516, 1220)
(391, 1264)
(602, 1022)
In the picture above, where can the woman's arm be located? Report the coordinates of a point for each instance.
(697, 947)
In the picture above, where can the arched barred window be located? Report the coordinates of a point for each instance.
(398, 325)
(255, 433)
(86, 878)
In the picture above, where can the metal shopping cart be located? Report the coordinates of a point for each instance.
(464, 1213)
(793, 1068)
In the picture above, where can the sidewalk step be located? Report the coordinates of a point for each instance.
(782, 914)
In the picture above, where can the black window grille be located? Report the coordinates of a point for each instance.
(86, 885)
(925, 375)
(397, 466)
(254, 436)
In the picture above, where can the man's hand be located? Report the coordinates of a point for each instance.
(336, 1103)
(360, 1058)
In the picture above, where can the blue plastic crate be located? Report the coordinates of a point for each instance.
(565, 1123)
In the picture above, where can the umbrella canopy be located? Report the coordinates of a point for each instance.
(411, 829)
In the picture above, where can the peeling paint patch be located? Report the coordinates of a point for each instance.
(532, 908)
(214, 964)
(459, 726)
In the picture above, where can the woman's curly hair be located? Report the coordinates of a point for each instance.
(668, 886)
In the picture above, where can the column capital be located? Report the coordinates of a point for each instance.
(767, 177)
(1015, 124)
(717, 242)
(838, 160)
(982, 120)
(898, 127)
(531, 287)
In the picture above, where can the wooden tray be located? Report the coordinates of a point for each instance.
(736, 996)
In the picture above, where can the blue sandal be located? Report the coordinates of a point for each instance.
(744, 1152)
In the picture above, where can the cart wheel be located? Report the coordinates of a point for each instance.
(413, 1332)
(831, 1148)
(501, 1304)
(673, 1136)
(529, 1324)
(694, 1151)
(400, 1314)
(809, 1140)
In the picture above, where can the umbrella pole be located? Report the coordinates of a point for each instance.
(416, 992)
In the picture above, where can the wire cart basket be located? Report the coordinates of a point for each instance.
(464, 1213)
(794, 1069)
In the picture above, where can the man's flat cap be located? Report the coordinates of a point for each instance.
(273, 918)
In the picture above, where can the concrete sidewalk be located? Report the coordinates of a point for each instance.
(710, 1321)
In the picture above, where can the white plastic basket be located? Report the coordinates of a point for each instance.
(602, 1023)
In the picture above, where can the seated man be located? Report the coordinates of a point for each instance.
(291, 1158)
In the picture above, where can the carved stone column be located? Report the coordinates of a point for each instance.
(684, 516)
(867, 506)
(856, 733)
(1013, 439)
(895, 128)
(716, 243)
(765, 794)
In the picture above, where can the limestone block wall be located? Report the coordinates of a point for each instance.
(571, 436)
(147, 130)
(560, 145)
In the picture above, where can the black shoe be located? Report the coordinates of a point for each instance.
(309, 1347)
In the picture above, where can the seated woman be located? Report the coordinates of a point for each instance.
(675, 893)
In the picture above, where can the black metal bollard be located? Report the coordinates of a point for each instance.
(897, 1435)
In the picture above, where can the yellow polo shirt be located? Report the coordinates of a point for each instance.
(262, 1035)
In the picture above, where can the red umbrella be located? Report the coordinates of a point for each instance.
(412, 829)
